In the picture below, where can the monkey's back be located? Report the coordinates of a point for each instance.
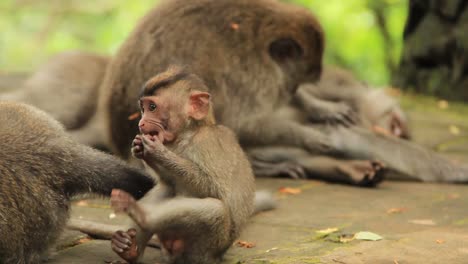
(230, 175)
(32, 208)
(222, 41)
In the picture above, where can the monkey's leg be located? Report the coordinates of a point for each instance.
(407, 159)
(284, 127)
(119, 241)
(356, 172)
(187, 224)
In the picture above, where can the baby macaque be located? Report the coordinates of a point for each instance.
(206, 189)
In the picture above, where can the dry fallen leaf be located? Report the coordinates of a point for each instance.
(440, 241)
(235, 26)
(134, 116)
(244, 244)
(442, 104)
(346, 238)
(454, 130)
(327, 231)
(271, 249)
(289, 190)
(396, 210)
(395, 261)
(428, 222)
(83, 240)
(82, 203)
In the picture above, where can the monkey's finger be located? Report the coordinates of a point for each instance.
(122, 237)
(121, 245)
(297, 173)
(136, 142)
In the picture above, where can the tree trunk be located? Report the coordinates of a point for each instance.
(435, 54)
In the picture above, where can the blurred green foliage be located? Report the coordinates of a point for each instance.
(32, 30)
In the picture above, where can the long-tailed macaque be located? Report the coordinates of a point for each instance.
(251, 54)
(41, 168)
(205, 191)
(67, 87)
(361, 152)
(254, 54)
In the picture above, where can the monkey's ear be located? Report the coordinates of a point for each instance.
(285, 49)
(199, 105)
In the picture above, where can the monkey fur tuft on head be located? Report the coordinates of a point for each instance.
(41, 168)
(206, 189)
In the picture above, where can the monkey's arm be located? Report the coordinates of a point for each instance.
(283, 127)
(155, 153)
(321, 110)
(332, 92)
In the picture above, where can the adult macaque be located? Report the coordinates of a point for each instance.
(66, 87)
(41, 168)
(339, 89)
(359, 153)
(251, 54)
(205, 192)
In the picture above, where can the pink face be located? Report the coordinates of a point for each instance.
(155, 119)
(163, 116)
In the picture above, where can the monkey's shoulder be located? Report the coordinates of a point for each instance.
(216, 133)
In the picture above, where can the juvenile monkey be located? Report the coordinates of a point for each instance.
(205, 193)
(41, 168)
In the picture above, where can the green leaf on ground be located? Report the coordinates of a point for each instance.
(367, 236)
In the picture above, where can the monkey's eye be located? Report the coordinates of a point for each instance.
(152, 107)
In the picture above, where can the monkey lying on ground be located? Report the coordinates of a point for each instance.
(357, 154)
(41, 168)
(205, 192)
(370, 108)
(253, 55)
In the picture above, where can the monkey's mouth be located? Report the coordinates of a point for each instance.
(152, 135)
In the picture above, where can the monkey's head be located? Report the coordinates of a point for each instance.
(172, 102)
(295, 42)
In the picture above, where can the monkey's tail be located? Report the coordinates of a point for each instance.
(264, 201)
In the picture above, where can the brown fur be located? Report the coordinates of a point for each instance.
(251, 54)
(357, 154)
(66, 87)
(205, 192)
(41, 168)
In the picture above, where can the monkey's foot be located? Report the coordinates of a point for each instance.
(121, 201)
(287, 169)
(364, 173)
(125, 245)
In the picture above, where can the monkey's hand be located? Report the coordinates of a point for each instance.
(153, 148)
(137, 147)
(334, 113)
(124, 244)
